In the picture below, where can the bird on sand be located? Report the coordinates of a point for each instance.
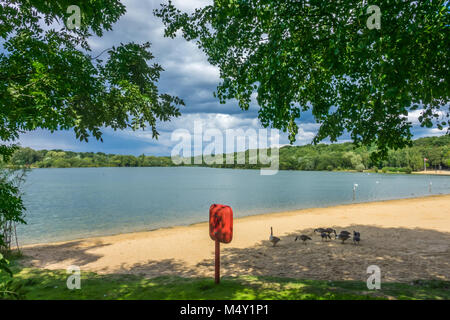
(343, 237)
(303, 238)
(330, 231)
(273, 239)
(325, 235)
(356, 237)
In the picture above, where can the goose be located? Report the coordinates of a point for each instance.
(346, 232)
(331, 230)
(343, 237)
(303, 238)
(319, 230)
(325, 235)
(356, 237)
(273, 239)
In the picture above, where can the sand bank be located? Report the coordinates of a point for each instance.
(434, 172)
(408, 239)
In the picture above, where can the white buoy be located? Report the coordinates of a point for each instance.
(354, 191)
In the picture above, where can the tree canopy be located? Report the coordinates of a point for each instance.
(49, 79)
(296, 55)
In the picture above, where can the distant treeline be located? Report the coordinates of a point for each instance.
(320, 157)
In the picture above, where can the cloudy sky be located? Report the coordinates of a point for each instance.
(187, 75)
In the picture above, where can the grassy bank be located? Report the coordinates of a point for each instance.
(51, 285)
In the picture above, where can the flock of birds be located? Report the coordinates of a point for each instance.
(325, 234)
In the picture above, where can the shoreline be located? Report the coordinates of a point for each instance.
(430, 172)
(434, 172)
(205, 223)
(408, 239)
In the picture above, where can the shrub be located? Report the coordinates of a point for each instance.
(11, 205)
(9, 289)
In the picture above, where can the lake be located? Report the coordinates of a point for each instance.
(67, 204)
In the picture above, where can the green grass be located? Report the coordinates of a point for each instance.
(50, 285)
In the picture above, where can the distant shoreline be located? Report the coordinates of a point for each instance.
(434, 172)
(430, 172)
(345, 157)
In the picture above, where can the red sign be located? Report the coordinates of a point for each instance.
(221, 223)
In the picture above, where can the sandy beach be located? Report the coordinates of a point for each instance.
(408, 239)
(434, 172)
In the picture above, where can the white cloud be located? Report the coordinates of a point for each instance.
(438, 132)
(187, 5)
(413, 116)
(209, 121)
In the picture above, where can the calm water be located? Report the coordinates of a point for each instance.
(65, 204)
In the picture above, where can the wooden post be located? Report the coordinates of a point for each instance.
(220, 230)
(217, 274)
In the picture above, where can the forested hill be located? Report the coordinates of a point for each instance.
(342, 156)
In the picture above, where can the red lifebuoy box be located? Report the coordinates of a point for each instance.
(221, 223)
(220, 230)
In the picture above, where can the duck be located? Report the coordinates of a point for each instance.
(303, 238)
(273, 239)
(325, 235)
(319, 230)
(356, 237)
(343, 237)
(346, 232)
